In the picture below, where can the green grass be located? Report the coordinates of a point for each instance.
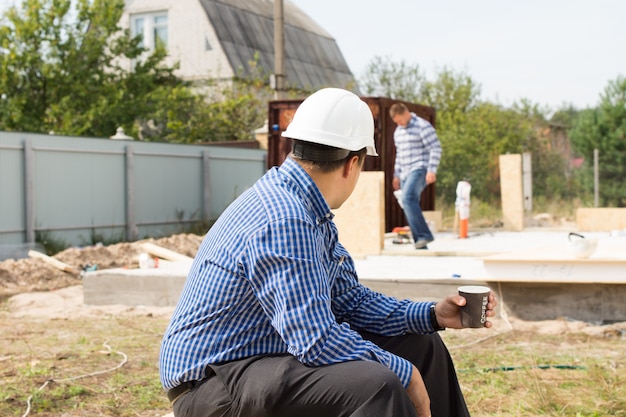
(524, 374)
(73, 354)
(500, 376)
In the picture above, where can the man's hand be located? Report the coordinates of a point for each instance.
(449, 315)
(395, 183)
(430, 177)
(418, 394)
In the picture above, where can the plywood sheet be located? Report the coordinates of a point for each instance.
(361, 219)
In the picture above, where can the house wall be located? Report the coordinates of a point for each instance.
(188, 27)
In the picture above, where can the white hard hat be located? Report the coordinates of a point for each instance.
(334, 117)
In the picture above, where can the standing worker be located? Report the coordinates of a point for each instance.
(272, 320)
(418, 152)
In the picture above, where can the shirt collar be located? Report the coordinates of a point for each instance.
(308, 190)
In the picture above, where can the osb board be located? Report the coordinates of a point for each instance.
(361, 219)
(511, 190)
(600, 219)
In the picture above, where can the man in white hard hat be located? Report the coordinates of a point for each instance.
(272, 320)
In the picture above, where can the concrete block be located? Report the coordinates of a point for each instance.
(149, 287)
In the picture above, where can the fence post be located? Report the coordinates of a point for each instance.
(131, 222)
(206, 185)
(29, 190)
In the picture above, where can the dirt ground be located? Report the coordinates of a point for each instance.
(38, 298)
(33, 274)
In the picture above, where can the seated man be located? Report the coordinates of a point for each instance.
(272, 320)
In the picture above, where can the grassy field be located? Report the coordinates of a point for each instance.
(525, 373)
(107, 366)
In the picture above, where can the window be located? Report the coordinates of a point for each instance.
(151, 28)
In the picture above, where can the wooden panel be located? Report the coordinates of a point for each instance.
(360, 220)
(511, 191)
(605, 219)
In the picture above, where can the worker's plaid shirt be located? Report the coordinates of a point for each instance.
(272, 278)
(417, 146)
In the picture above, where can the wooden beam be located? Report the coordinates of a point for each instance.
(164, 253)
(54, 262)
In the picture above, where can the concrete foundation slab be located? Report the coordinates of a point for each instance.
(557, 264)
(593, 303)
(545, 287)
(149, 287)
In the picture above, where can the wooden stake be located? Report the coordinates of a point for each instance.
(164, 253)
(54, 262)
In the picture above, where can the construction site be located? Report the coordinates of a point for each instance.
(562, 279)
(544, 288)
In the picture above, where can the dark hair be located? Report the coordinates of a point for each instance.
(325, 158)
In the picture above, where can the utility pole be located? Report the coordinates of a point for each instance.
(279, 51)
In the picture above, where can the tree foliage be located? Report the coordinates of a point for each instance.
(473, 133)
(604, 128)
(61, 72)
(385, 78)
(64, 68)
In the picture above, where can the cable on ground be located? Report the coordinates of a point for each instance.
(74, 378)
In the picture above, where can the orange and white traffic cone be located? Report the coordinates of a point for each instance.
(462, 204)
(463, 228)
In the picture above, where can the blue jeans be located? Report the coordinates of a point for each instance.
(412, 187)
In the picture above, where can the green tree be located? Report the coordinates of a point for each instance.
(474, 133)
(451, 92)
(60, 69)
(218, 111)
(473, 146)
(604, 128)
(383, 77)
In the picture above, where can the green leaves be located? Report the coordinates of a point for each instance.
(61, 70)
(386, 78)
(474, 132)
(604, 128)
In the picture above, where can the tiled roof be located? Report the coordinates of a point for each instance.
(245, 29)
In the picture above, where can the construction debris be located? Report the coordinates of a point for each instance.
(54, 262)
(35, 274)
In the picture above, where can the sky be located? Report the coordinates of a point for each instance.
(551, 52)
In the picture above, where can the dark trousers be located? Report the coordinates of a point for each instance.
(280, 386)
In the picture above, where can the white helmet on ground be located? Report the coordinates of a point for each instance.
(334, 117)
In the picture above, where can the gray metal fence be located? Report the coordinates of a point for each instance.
(74, 187)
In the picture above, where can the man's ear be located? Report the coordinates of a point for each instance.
(352, 163)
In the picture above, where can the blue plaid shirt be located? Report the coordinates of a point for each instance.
(417, 146)
(271, 278)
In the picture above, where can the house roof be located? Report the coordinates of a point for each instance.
(245, 29)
